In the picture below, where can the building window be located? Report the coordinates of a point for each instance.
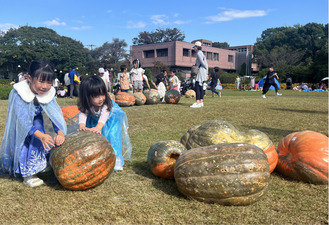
(216, 57)
(148, 53)
(185, 51)
(162, 52)
(209, 55)
(230, 58)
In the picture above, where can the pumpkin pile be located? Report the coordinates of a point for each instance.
(303, 156)
(84, 160)
(217, 131)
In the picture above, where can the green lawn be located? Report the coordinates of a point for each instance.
(135, 196)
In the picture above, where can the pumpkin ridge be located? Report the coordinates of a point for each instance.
(95, 180)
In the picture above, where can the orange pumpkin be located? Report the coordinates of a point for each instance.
(303, 156)
(112, 96)
(124, 99)
(83, 161)
(69, 112)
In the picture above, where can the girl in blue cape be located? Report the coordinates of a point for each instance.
(99, 114)
(25, 146)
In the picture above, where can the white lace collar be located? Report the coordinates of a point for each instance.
(23, 89)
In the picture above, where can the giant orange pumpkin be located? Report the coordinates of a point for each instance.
(83, 161)
(69, 112)
(303, 156)
(124, 99)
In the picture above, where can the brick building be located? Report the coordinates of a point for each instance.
(181, 56)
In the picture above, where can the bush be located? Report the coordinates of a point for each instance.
(228, 78)
(5, 91)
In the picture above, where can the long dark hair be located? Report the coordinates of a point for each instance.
(42, 70)
(92, 86)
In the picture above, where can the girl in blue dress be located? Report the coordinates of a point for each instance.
(99, 114)
(25, 146)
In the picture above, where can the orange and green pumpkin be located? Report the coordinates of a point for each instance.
(219, 131)
(69, 112)
(162, 157)
(227, 174)
(83, 161)
(172, 96)
(124, 99)
(303, 156)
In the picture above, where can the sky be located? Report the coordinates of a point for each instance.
(237, 22)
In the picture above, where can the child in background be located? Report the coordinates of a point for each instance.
(124, 79)
(25, 146)
(136, 76)
(174, 81)
(100, 115)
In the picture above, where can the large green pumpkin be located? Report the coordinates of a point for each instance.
(152, 97)
(162, 157)
(227, 174)
(219, 131)
(83, 161)
(172, 96)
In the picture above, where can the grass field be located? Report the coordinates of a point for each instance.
(135, 196)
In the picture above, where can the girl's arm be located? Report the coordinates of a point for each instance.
(46, 140)
(102, 120)
(60, 138)
(82, 122)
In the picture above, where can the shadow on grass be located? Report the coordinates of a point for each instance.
(271, 131)
(167, 186)
(300, 111)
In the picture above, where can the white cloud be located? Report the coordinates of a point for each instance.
(109, 11)
(232, 14)
(176, 15)
(6, 26)
(159, 20)
(181, 22)
(81, 28)
(133, 25)
(55, 22)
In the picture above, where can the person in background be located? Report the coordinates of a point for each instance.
(173, 80)
(56, 84)
(19, 76)
(67, 82)
(237, 82)
(136, 76)
(124, 79)
(201, 77)
(25, 146)
(270, 80)
(101, 73)
(74, 83)
(160, 84)
(214, 80)
(107, 75)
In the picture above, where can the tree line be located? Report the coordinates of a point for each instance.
(300, 52)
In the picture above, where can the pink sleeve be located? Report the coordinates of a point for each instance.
(104, 115)
(82, 118)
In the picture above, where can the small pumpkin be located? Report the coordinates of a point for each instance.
(227, 174)
(124, 99)
(303, 156)
(152, 97)
(83, 161)
(190, 94)
(219, 131)
(162, 157)
(140, 98)
(172, 96)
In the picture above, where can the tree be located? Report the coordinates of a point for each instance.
(158, 36)
(298, 51)
(23, 45)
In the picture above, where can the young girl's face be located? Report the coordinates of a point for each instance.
(135, 65)
(38, 86)
(97, 101)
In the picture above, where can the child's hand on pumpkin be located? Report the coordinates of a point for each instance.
(59, 139)
(82, 127)
(47, 141)
(95, 130)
